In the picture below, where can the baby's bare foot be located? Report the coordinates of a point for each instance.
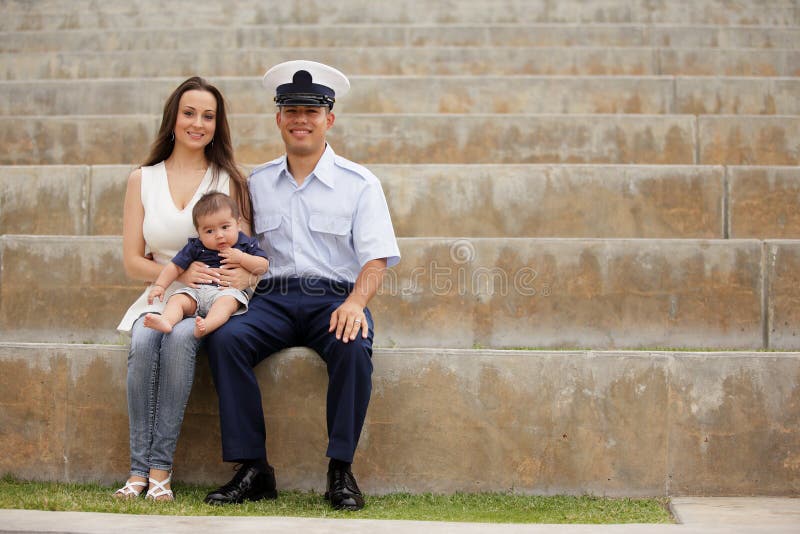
(157, 322)
(199, 327)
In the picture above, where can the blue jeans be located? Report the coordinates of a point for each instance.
(160, 376)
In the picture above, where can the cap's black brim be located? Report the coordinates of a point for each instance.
(303, 100)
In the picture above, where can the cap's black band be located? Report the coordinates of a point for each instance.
(304, 99)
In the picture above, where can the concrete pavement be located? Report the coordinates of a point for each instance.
(706, 515)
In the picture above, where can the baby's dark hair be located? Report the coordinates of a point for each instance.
(212, 203)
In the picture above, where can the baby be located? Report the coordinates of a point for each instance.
(216, 217)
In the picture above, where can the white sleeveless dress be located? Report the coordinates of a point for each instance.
(166, 228)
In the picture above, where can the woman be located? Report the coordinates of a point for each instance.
(192, 155)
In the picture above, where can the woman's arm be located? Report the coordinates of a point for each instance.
(137, 265)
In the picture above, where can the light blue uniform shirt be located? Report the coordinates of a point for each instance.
(328, 227)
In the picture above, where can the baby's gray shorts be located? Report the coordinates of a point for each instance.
(205, 296)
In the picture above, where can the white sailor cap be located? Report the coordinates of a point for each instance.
(305, 83)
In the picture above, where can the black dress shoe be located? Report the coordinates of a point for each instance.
(250, 483)
(343, 492)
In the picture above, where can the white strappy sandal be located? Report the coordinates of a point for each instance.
(129, 491)
(158, 490)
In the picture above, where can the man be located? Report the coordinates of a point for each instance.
(325, 225)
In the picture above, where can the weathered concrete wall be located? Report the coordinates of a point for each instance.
(763, 202)
(728, 62)
(737, 96)
(419, 61)
(602, 423)
(754, 140)
(558, 293)
(486, 292)
(647, 139)
(432, 94)
(554, 201)
(733, 423)
(63, 288)
(783, 293)
(483, 201)
(370, 35)
(60, 15)
(369, 94)
(44, 200)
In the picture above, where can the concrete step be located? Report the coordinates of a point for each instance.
(762, 202)
(484, 200)
(351, 60)
(395, 94)
(603, 201)
(581, 422)
(420, 61)
(21, 15)
(435, 138)
(410, 35)
(431, 94)
(728, 139)
(517, 138)
(734, 96)
(488, 292)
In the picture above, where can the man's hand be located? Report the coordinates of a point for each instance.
(347, 320)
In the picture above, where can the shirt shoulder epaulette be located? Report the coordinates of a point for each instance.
(264, 166)
(355, 168)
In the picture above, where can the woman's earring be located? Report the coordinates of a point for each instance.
(173, 137)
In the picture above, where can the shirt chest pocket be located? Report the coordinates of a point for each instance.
(268, 229)
(266, 224)
(332, 234)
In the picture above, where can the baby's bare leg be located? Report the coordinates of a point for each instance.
(218, 314)
(177, 307)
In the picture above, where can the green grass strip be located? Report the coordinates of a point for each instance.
(483, 507)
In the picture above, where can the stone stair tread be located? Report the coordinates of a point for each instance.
(438, 138)
(405, 11)
(404, 94)
(489, 200)
(652, 418)
(409, 60)
(498, 34)
(462, 292)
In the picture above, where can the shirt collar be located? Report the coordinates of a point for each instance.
(324, 168)
(324, 171)
(242, 239)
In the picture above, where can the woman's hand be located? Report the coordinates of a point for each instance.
(198, 274)
(236, 277)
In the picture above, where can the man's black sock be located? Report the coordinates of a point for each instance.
(259, 463)
(338, 464)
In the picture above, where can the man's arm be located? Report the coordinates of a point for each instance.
(349, 318)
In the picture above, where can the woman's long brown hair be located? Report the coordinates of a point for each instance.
(219, 152)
